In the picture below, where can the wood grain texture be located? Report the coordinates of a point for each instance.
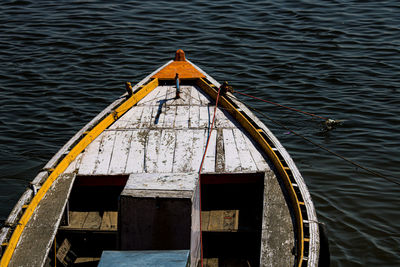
(164, 134)
(136, 155)
(183, 151)
(120, 152)
(104, 154)
(232, 159)
(246, 159)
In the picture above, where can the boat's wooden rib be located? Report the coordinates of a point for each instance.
(153, 134)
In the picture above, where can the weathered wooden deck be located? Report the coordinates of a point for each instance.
(164, 134)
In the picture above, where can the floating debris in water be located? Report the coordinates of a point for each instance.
(331, 124)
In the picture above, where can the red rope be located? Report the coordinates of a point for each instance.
(201, 167)
(281, 105)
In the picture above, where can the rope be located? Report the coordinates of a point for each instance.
(201, 167)
(328, 150)
(297, 110)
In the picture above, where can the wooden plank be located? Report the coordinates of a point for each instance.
(194, 96)
(86, 260)
(184, 96)
(222, 221)
(276, 248)
(182, 117)
(198, 147)
(114, 219)
(14, 215)
(74, 165)
(109, 221)
(162, 96)
(89, 157)
(170, 114)
(63, 251)
(152, 97)
(194, 116)
(146, 119)
(216, 222)
(204, 99)
(120, 152)
(183, 151)
(258, 157)
(224, 120)
(38, 235)
(209, 161)
(16, 211)
(131, 119)
(171, 92)
(231, 220)
(211, 262)
(134, 119)
(219, 153)
(205, 220)
(205, 117)
(40, 178)
(179, 184)
(158, 114)
(105, 152)
(93, 221)
(135, 160)
(166, 151)
(77, 219)
(158, 96)
(232, 160)
(185, 93)
(246, 159)
(152, 150)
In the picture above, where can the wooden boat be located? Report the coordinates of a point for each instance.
(126, 187)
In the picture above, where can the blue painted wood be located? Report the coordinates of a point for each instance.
(162, 258)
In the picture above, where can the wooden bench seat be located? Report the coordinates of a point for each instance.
(220, 221)
(92, 221)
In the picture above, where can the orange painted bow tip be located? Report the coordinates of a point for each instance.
(180, 55)
(179, 66)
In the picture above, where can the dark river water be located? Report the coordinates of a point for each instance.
(62, 62)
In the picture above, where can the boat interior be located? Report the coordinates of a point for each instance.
(231, 219)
